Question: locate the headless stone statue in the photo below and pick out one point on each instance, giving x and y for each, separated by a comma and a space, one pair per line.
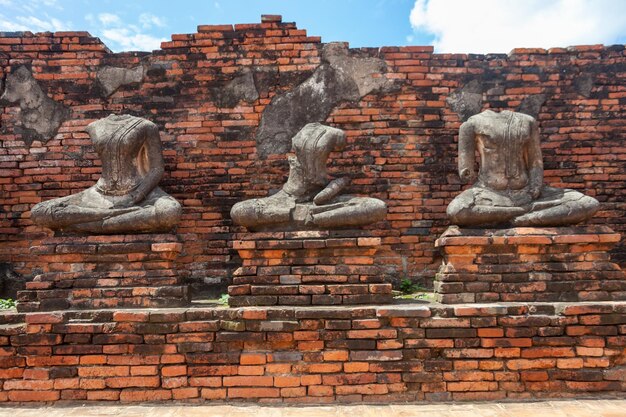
126, 198
509, 188
308, 200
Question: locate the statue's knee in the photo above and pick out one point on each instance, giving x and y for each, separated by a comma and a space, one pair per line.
41, 214
244, 213
168, 211
590, 204
457, 211
377, 209
371, 210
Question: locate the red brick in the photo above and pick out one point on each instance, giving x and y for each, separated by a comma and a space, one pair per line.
286, 381
319, 391
252, 359
248, 381
213, 393
185, 393
133, 381
108, 395
174, 370
253, 392
134, 395
28, 396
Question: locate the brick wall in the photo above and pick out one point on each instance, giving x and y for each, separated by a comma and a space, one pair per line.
296, 354
401, 144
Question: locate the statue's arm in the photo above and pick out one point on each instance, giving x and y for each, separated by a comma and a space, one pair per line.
155, 164
467, 152
535, 161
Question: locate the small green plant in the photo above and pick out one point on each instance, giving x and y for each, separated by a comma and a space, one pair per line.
6, 303
223, 300
413, 291
407, 286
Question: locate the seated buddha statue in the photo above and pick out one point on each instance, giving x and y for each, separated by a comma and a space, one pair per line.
309, 200
509, 188
126, 198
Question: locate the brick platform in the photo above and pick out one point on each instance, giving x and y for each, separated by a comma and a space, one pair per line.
308, 268
379, 354
529, 264
105, 272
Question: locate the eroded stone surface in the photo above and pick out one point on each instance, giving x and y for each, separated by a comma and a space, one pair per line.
240, 88
309, 200
509, 186
126, 198
39, 114
467, 100
583, 84
531, 105
342, 76
112, 78
10, 281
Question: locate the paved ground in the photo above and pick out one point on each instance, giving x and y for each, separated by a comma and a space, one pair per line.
578, 408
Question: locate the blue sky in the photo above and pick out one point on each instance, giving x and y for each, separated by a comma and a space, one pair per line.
450, 25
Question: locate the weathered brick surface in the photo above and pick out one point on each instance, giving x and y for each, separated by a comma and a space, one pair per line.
308, 268
322, 354
401, 144
112, 271
528, 264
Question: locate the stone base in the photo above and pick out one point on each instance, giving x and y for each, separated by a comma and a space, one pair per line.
97, 272
528, 264
308, 268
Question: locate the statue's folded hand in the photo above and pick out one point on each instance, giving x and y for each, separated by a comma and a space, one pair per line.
334, 188
126, 201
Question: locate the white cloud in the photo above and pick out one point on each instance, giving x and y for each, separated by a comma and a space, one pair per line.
30, 6
482, 26
148, 20
33, 24
120, 35
109, 19
7, 25
128, 40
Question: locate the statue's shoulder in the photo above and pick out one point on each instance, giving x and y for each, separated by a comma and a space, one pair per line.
527, 118
473, 121
147, 125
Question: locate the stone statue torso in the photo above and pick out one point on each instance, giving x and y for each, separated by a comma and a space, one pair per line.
510, 189
309, 199
119, 141
502, 139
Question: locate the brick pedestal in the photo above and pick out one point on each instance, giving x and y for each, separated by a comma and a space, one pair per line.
105, 272
308, 268
529, 264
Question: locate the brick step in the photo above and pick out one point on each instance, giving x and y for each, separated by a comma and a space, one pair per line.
81, 281
354, 289
534, 276
103, 303
86, 293
114, 297
307, 279
304, 300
